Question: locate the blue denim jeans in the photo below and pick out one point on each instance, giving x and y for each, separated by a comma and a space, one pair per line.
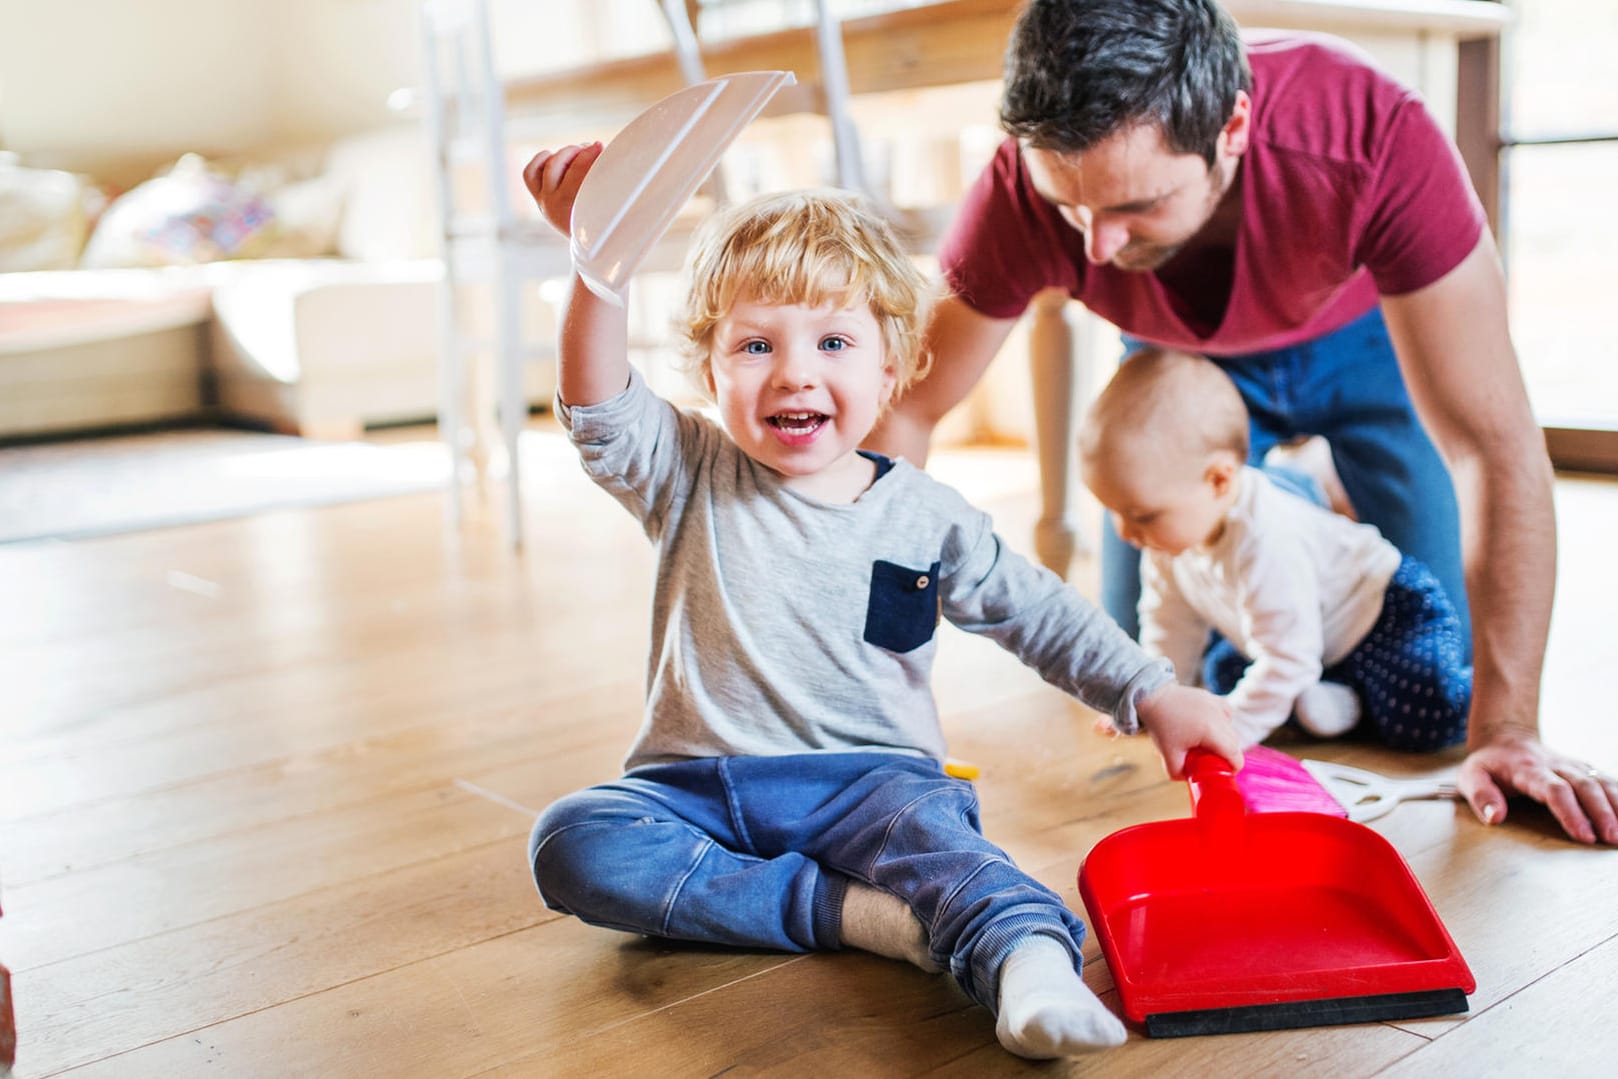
1345, 387
757, 852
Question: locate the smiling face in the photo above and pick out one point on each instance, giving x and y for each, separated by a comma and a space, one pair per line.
1136, 201
800, 387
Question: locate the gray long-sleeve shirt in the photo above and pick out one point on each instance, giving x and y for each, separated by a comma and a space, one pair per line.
782, 624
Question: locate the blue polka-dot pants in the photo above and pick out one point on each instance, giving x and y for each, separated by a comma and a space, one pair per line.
1410, 671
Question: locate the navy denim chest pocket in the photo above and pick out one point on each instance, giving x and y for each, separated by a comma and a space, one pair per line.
903, 609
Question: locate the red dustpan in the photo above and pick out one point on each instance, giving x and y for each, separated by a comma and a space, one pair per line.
1229, 921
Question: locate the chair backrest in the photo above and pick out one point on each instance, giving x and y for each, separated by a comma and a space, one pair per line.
689, 56
833, 97
465, 109
825, 92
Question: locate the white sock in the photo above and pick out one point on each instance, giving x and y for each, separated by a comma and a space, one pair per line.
1327, 709
1046, 1010
875, 921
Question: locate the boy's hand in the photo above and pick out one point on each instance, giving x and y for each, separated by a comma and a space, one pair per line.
553, 178
1181, 718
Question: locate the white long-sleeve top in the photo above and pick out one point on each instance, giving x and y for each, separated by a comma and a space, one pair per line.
1293, 586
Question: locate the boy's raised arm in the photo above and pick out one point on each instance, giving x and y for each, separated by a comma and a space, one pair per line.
593, 354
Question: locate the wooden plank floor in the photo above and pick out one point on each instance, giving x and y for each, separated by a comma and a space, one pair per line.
265, 787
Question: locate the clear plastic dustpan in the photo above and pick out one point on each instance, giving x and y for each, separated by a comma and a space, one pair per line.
649, 170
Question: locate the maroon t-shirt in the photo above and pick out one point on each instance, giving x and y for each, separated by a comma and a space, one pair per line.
1348, 187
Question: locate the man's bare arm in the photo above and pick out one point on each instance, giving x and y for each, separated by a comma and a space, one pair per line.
1455, 351
961, 343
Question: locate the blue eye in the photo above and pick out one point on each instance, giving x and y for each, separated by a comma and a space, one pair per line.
756, 348
833, 344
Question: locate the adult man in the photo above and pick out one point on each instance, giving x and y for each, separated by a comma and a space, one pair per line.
1284, 208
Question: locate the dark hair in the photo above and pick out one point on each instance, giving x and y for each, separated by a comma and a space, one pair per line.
1077, 71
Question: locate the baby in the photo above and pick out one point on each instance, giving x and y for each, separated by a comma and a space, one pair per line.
1320, 617
785, 789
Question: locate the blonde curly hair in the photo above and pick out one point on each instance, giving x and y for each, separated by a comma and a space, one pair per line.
811, 248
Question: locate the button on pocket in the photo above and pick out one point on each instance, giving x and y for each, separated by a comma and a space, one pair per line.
902, 611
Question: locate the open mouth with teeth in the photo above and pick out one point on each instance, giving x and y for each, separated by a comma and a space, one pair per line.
798, 425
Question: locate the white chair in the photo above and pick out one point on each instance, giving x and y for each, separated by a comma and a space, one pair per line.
487, 242
466, 123
484, 242
826, 93
829, 98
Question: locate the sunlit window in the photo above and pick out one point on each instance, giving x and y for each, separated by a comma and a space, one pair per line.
1560, 219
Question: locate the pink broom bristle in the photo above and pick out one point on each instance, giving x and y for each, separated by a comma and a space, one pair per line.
1272, 782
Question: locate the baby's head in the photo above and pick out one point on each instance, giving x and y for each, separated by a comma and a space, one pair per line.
803, 319
1161, 448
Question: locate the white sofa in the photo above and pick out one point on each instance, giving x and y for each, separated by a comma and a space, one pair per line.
325, 348
320, 346
95, 349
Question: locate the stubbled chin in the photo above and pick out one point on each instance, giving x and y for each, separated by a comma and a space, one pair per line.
1144, 261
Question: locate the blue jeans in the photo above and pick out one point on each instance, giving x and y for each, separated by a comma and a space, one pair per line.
757, 852
1346, 387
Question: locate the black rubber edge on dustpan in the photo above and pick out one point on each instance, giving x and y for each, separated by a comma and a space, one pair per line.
1306, 1013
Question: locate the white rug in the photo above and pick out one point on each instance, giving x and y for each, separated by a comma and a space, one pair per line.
105, 486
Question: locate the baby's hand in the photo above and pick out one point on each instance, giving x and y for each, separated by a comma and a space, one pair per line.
553, 178
1181, 718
